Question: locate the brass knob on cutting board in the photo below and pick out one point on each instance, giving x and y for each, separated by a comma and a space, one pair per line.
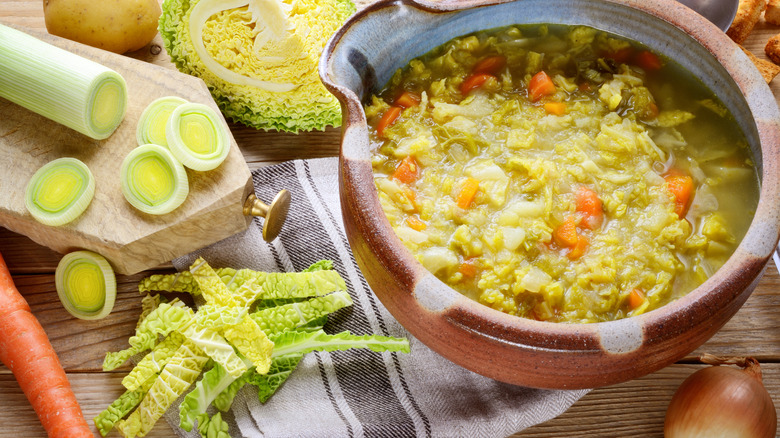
274, 214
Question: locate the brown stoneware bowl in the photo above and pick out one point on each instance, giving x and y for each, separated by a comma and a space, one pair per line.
361, 58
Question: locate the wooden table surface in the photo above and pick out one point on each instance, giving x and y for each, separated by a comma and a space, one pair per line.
634, 408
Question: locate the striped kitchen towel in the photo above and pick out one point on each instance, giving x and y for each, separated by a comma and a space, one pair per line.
360, 393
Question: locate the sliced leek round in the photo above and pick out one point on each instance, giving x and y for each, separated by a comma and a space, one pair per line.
86, 285
59, 191
153, 181
151, 125
197, 137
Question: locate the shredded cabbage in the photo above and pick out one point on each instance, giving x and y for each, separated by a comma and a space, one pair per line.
227, 344
161, 321
176, 377
122, 406
213, 382
153, 362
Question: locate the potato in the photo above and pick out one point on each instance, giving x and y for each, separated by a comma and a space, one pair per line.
115, 25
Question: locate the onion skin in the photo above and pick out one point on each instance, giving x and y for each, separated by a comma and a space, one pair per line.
722, 401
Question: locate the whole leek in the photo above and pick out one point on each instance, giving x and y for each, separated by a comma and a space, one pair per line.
74, 91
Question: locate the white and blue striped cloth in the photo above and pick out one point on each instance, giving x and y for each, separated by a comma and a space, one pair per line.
359, 393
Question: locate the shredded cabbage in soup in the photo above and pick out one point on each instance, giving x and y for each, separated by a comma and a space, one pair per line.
560, 173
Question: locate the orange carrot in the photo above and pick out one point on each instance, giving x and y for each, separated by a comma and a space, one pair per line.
566, 233
589, 206
475, 81
540, 85
579, 248
654, 111
415, 223
681, 187
26, 351
555, 108
467, 192
648, 61
410, 195
491, 65
407, 171
621, 55
635, 299
388, 118
468, 268
407, 100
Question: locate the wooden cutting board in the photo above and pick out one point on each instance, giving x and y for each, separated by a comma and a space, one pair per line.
132, 241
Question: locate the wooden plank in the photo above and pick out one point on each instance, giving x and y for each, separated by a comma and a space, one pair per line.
261, 148
755, 329
82, 345
131, 240
95, 393
632, 409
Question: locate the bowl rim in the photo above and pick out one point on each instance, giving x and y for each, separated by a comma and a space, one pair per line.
694, 309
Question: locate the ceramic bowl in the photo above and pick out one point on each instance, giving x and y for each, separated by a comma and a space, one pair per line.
361, 58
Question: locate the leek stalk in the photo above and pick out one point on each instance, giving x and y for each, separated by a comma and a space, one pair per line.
86, 285
74, 91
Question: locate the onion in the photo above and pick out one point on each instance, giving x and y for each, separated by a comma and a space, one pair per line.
722, 401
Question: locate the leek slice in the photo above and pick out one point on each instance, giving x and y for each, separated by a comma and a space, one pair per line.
153, 181
151, 125
74, 91
197, 137
86, 285
59, 191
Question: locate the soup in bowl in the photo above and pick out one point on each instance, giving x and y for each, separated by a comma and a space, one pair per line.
560, 173
557, 194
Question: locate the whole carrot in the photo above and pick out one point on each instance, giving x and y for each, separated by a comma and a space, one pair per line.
26, 351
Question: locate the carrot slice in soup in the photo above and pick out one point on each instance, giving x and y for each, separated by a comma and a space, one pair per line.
407, 100
566, 233
635, 299
681, 188
467, 192
388, 118
407, 171
491, 64
468, 268
621, 55
415, 223
579, 248
589, 206
540, 85
648, 61
475, 81
555, 108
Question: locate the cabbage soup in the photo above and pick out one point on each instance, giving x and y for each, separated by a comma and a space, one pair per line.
560, 173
